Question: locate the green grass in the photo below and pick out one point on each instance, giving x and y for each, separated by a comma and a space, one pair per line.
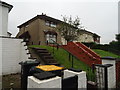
62, 57
103, 53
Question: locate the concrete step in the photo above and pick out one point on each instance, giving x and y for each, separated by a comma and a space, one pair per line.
45, 54
50, 61
48, 57
32, 58
42, 51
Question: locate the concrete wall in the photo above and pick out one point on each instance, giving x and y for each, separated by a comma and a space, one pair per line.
0, 64
3, 20
0, 20
48, 83
82, 80
56, 81
111, 73
13, 51
119, 17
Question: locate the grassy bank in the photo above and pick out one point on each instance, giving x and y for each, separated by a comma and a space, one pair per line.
103, 53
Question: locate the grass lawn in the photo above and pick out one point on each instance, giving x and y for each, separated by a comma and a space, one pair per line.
103, 53
62, 57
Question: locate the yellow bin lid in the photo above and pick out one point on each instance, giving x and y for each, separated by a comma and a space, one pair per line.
49, 67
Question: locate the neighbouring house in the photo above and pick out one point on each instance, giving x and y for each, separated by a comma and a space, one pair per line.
87, 36
4, 10
42, 28
12, 50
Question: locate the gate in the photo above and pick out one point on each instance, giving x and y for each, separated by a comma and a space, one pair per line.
70, 83
102, 75
99, 79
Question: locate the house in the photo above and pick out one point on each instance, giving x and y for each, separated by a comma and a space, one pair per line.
42, 28
4, 10
87, 36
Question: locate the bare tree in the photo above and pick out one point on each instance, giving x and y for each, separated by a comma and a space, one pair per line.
69, 28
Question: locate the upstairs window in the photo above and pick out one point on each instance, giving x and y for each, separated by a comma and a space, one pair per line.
53, 24
47, 23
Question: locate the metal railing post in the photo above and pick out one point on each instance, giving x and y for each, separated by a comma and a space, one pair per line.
72, 61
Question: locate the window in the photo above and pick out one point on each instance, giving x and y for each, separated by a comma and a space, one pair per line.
50, 38
47, 23
53, 24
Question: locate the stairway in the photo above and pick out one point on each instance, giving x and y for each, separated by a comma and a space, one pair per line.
82, 52
26, 52
45, 56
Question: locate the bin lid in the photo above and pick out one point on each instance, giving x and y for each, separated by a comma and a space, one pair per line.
75, 70
44, 75
29, 62
49, 67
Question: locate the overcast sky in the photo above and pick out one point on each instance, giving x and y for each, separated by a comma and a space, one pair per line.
97, 16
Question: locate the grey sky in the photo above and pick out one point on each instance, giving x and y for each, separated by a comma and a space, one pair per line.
97, 17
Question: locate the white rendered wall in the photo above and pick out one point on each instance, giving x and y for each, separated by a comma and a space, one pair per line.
48, 83
64, 42
0, 48
111, 73
13, 52
0, 20
85, 38
82, 80
0, 64
3, 20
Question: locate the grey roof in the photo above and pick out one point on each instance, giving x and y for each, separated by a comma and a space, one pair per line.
84, 30
6, 5
45, 17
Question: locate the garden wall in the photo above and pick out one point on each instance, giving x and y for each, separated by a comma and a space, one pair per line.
12, 52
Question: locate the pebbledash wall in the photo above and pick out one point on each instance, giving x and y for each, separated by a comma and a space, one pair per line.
13, 51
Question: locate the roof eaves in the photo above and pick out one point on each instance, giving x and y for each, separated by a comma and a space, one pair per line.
6, 5
25, 23
90, 32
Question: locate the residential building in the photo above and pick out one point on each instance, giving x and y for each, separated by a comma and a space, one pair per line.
4, 10
87, 36
41, 30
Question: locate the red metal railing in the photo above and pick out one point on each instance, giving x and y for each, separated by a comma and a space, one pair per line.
88, 50
82, 53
